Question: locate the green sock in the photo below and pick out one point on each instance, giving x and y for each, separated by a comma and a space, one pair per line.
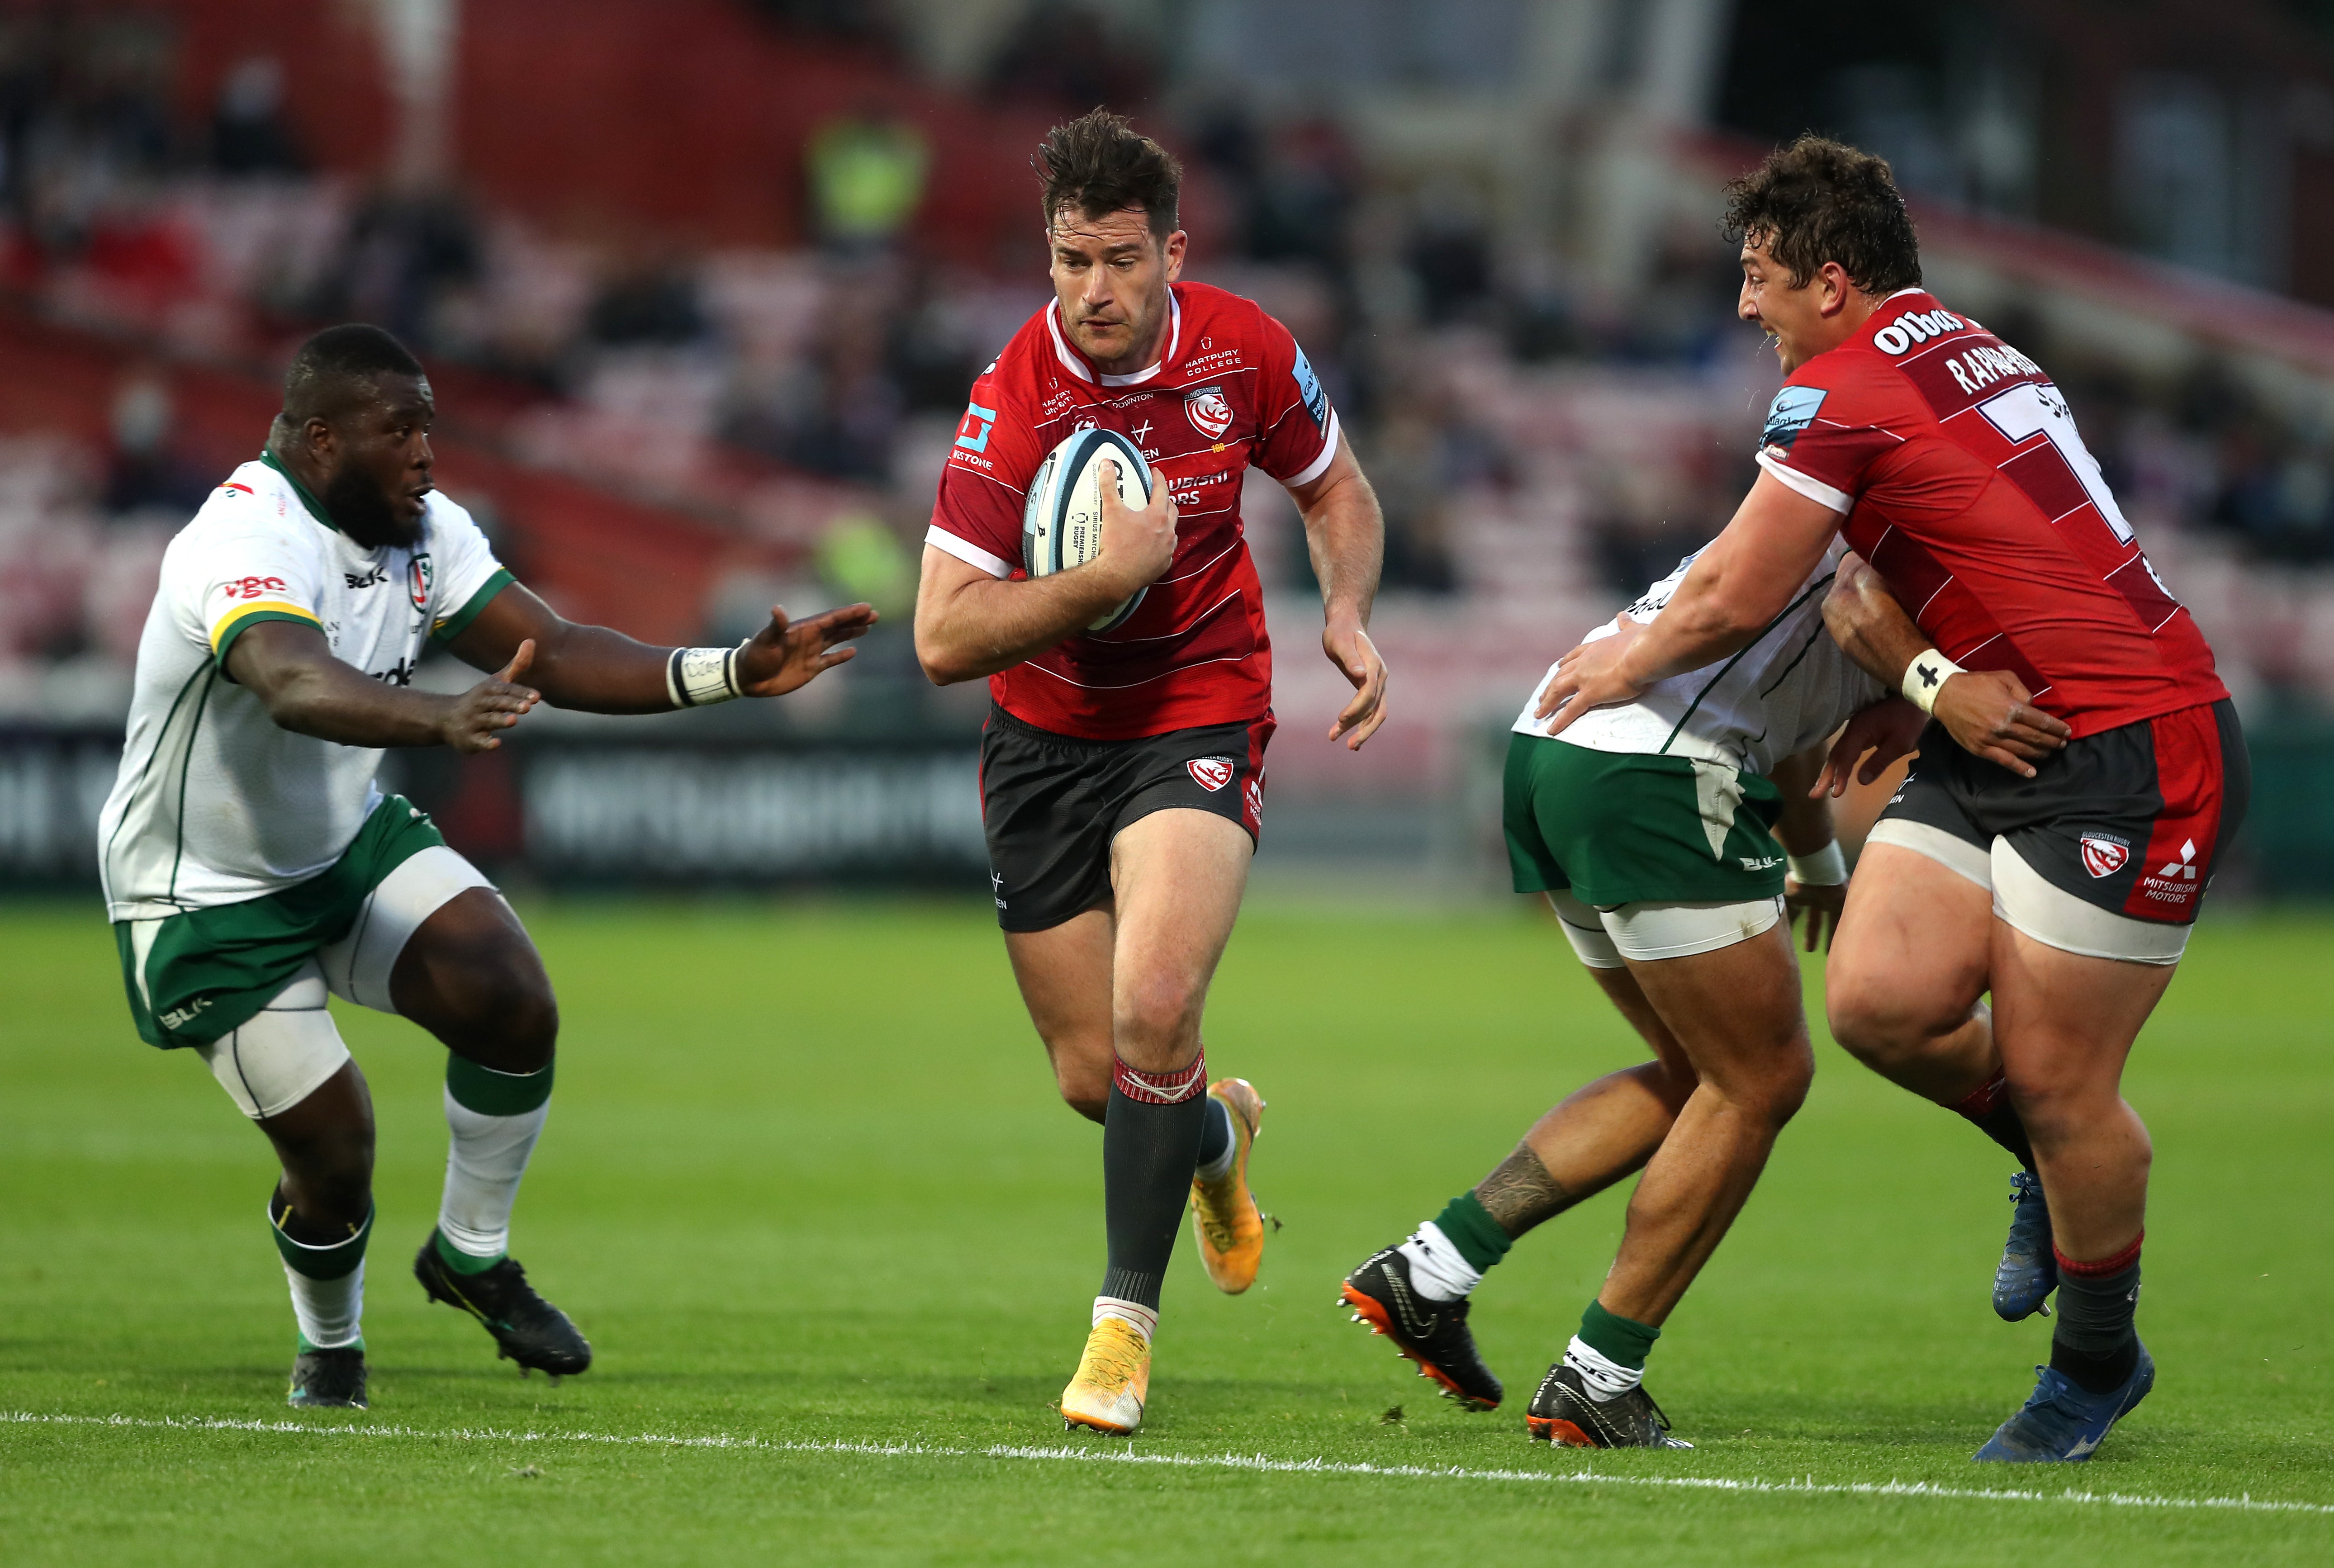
461, 1262
1623, 1342
1473, 1231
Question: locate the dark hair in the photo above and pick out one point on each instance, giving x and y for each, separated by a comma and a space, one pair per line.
1817, 201
336, 371
1100, 164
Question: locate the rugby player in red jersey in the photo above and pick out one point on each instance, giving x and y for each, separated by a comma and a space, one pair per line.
2083, 770
1122, 772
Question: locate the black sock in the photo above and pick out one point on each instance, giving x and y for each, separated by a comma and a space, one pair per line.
2096, 1343
1988, 1109
1149, 1146
1215, 1131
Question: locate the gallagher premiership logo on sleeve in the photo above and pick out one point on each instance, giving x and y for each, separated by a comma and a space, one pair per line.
1792, 412
1308, 390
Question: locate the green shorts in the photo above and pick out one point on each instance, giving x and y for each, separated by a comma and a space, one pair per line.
1627, 827
194, 976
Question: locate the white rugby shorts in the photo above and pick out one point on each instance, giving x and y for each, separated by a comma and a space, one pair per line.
287, 1050
1606, 939
2026, 901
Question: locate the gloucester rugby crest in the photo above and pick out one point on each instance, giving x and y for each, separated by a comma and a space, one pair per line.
2104, 856
1210, 412
1211, 772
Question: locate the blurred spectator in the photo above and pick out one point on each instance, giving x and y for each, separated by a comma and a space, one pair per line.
405, 252
866, 173
144, 469
1301, 201
1063, 53
248, 135
859, 559
651, 301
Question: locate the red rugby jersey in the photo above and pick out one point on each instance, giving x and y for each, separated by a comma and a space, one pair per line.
1964, 484
1232, 388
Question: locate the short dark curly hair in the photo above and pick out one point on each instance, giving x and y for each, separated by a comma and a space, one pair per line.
1817, 201
1099, 164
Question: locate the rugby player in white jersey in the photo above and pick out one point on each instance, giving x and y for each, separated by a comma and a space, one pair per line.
252, 867
1651, 828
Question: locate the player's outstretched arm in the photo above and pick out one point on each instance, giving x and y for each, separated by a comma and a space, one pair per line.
969, 624
1345, 534
1987, 712
1741, 581
291, 668
595, 669
1818, 883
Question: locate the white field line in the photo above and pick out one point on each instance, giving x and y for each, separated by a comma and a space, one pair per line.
1807, 1486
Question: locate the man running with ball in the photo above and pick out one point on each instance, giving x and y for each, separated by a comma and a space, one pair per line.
1123, 771
251, 866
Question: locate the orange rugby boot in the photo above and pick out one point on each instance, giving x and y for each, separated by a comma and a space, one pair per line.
1112, 1379
1224, 1214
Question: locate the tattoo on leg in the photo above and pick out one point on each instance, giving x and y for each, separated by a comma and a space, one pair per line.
1520, 1193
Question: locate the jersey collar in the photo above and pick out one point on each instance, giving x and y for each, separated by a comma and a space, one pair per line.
315, 507
1079, 366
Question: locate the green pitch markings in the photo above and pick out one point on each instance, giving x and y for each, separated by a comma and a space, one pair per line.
1129, 1455
807, 1188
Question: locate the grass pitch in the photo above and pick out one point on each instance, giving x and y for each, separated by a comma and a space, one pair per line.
807, 1188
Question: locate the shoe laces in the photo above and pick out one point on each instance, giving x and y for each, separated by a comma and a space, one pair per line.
1112, 1360
2024, 1185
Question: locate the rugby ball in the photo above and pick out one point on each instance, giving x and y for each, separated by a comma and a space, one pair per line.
1061, 522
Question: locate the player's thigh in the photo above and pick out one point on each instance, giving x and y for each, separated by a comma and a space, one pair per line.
1912, 952
1583, 931
1735, 1011
2065, 1021
470, 975
1177, 876
1064, 973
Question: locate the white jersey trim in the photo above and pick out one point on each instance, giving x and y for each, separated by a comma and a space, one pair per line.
1076, 365
1815, 490
971, 554
1320, 465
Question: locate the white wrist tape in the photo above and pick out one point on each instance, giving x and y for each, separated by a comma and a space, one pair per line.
696, 676
1926, 674
1826, 867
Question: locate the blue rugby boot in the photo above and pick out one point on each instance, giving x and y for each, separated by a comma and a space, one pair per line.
2062, 1422
2029, 1270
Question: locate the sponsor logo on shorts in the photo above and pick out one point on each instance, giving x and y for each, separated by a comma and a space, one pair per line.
2104, 854
1256, 803
2177, 881
179, 1017
1211, 772
1209, 410
1760, 862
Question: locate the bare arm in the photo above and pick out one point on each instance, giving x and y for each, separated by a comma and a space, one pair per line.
1989, 713
1735, 587
1345, 534
292, 669
969, 624
595, 669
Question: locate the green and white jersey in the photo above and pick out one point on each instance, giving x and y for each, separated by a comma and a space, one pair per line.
215, 804
1788, 690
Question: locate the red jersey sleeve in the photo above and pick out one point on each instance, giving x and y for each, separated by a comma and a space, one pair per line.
978, 515
1296, 429
1825, 431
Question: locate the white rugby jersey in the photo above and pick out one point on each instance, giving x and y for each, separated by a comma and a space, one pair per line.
1788, 690
215, 804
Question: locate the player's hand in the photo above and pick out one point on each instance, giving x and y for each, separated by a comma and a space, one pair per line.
1820, 902
475, 722
1590, 676
1349, 648
1991, 714
787, 654
1888, 729
1138, 543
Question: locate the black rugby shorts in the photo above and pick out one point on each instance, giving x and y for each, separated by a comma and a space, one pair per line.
1052, 803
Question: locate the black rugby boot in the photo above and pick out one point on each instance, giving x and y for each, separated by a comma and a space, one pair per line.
1563, 1412
332, 1379
1433, 1333
526, 1328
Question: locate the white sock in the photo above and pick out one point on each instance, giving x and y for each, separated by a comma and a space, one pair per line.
1605, 1379
1142, 1317
483, 1163
1221, 1165
1437, 1271
330, 1312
